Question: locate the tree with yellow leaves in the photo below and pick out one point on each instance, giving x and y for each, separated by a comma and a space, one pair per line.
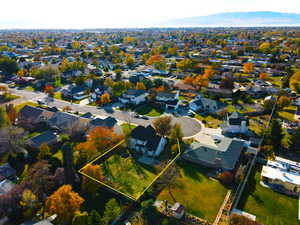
22, 73
129, 60
30, 203
295, 82
140, 86
94, 171
64, 203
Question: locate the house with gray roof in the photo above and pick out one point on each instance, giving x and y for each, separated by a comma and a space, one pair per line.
202, 104
134, 97
223, 154
48, 138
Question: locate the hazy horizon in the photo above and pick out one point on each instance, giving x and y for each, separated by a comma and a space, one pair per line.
91, 14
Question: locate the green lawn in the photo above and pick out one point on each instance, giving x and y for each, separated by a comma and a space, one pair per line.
200, 195
57, 95
275, 81
127, 175
29, 88
269, 207
127, 128
288, 113
209, 121
10, 97
149, 110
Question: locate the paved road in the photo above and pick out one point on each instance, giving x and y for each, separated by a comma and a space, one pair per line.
189, 125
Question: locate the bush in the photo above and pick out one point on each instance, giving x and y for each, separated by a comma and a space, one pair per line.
226, 177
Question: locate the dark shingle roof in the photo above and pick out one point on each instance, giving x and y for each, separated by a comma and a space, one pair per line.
29, 111
135, 92
43, 138
107, 122
146, 134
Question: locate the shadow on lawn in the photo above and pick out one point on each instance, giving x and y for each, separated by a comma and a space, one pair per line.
250, 189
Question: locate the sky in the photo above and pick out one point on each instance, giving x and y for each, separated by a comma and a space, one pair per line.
123, 13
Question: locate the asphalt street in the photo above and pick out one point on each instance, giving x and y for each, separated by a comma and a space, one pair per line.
190, 126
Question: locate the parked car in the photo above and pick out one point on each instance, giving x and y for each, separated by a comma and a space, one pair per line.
144, 117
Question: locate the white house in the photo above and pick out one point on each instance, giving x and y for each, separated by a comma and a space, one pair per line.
169, 100
177, 210
206, 105
134, 97
146, 141
282, 175
235, 124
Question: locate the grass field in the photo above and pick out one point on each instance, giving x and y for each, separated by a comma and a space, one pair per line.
209, 121
127, 128
149, 110
288, 113
270, 208
200, 195
57, 95
127, 175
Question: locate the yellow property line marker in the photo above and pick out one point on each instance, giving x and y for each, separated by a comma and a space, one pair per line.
118, 191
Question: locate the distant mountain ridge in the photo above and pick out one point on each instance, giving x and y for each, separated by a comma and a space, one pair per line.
259, 18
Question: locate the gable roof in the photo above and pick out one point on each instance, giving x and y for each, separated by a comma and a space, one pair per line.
30, 111
6, 171
107, 122
62, 119
166, 95
43, 138
135, 92
147, 134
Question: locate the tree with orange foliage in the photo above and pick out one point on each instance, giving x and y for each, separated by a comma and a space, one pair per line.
99, 140
263, 76
188, 80
11, 113
200, 81
208, 72
22, 72
160, 89
64, 203
157, 61
94, 171
105, 98
49, 89
140, 86
248, 67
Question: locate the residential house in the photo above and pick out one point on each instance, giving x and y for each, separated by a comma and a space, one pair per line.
48, 138
74, 92
169, 100
29, 115
202, 104
7, 172
134, 97
5, 186
223, 154
68, 123
146, 141
282, 175
235, 124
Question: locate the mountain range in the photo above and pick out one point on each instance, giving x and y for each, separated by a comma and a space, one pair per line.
259, 18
